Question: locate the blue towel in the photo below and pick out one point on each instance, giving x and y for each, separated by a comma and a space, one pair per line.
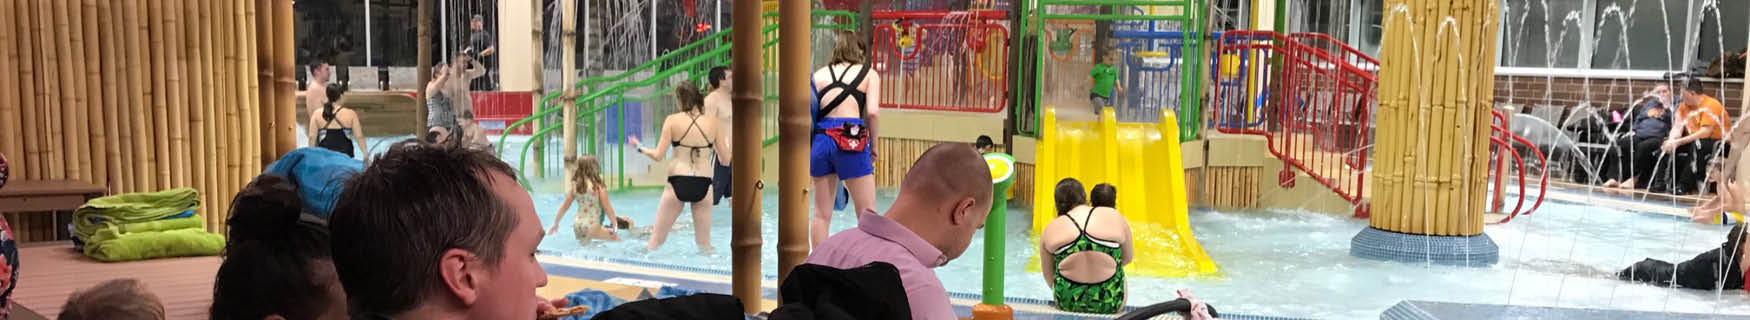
320, 175
672, 291
596, 300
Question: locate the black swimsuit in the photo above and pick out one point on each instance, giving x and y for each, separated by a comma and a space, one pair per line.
691, 188
337, 139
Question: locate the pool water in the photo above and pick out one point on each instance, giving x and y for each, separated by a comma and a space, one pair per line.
1284, 263
1278, 263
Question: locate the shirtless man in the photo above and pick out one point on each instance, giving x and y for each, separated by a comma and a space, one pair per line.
718, 104
316, 90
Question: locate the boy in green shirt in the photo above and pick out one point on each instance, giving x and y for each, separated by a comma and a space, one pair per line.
1105, 82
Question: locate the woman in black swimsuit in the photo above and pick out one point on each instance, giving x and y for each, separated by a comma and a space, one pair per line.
334, 126
693, 136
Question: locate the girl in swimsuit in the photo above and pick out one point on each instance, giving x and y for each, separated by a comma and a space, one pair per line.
1084, 252
591, 196
336, 127
848, 93
693, 136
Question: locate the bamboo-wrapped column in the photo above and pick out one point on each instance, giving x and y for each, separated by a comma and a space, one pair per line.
423, 61
793, 137
72, 88
11, 130
28, 99
285, 114
1432, 180
177, 91
745, 236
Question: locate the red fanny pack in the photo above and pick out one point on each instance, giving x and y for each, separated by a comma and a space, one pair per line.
849, 137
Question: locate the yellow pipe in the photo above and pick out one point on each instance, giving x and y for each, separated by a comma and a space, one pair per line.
745, 205
793, 134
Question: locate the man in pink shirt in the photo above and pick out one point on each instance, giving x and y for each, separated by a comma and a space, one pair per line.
943, 201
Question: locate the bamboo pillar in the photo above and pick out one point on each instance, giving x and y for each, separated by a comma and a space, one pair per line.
745, 236
11, 132
110, 50
97, 146
79, 131
55, 144
567, 63
27, 90
263, 44
199, 168
1432, 180
538, 33
285, 114
794, 134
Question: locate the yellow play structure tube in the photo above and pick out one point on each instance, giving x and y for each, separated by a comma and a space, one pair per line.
1143, 161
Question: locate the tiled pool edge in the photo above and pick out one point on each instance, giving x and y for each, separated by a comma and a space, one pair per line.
598, 269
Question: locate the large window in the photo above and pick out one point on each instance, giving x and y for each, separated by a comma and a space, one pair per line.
1624, 37
1639, 34
1542, 34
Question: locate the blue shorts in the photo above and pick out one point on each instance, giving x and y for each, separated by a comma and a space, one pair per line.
824, 157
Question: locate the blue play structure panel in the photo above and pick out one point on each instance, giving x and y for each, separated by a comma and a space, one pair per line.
1430, 310
634, 124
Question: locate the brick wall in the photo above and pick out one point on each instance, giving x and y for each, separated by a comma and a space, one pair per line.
1600, 92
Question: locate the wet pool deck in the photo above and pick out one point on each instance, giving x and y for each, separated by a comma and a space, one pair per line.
1429, 310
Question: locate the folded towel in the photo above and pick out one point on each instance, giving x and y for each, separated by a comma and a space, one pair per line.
132, 207
320, 175
191, 222
596, 300
110, 246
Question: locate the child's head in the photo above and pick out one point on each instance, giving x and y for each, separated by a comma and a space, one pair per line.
117, 299
588, 175
984, 144
1069, 194
1104, 195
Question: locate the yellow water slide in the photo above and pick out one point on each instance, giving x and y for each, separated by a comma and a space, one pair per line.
1143, 161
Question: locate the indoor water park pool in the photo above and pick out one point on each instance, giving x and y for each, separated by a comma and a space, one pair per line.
1281, 263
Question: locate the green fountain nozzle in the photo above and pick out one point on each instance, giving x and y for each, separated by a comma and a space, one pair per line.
1002, 172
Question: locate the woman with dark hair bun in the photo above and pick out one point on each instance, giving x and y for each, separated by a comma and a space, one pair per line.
277, 264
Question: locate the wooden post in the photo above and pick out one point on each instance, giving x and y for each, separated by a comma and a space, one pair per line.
200, 167
79, 112
794, 41
262, 20
538, 33
745, 236
285, 113
424, 64
567, 63
177, 92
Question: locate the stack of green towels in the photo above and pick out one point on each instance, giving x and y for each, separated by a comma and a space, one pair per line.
148, 225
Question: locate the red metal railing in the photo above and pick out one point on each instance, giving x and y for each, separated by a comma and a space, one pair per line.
1313, 108
942, 60
1502, 139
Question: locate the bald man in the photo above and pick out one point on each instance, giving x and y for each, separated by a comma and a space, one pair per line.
943, 201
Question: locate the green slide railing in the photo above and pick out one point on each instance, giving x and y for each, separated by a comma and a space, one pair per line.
602, 102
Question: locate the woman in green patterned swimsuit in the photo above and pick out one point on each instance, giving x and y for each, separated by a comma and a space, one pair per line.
1085, 249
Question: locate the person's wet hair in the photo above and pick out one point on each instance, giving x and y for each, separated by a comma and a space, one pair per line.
688, 97
717, 75
116, 299
400, 214
849, 48
1069, 194
275, 263
983, 142
1104, 195
1693, 85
